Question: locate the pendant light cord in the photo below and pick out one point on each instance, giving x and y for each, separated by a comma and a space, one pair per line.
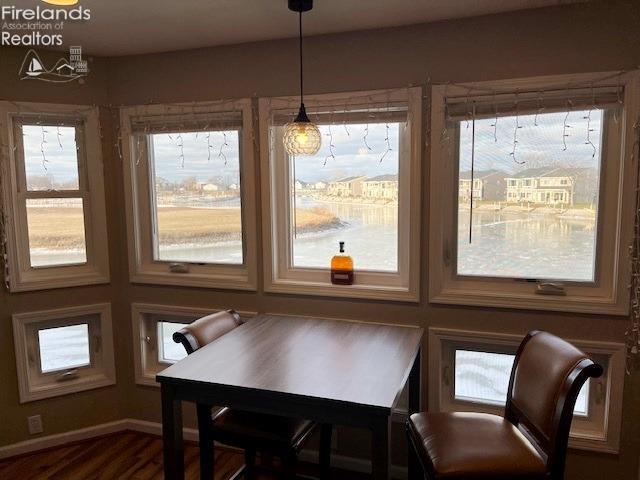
300, 51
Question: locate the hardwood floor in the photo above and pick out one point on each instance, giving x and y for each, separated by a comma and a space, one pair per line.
127, 455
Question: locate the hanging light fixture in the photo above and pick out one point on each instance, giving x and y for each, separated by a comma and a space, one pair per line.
301, 137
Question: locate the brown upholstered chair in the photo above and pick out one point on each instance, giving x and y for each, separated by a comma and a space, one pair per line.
250, 431
529, 443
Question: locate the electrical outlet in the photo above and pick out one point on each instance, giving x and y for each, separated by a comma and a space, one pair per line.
35, 424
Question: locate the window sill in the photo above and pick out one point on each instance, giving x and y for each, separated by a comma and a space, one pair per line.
531, 301
326, 289
98, 380
227, 282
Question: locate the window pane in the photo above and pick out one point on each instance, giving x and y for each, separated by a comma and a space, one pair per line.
483, 377
535, 212
196, 189
50, 157
169, 351
56, 231
352, 197
64, 347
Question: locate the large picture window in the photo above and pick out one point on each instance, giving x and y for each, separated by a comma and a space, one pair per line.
536, 215
191, 177
54, 197
361, 188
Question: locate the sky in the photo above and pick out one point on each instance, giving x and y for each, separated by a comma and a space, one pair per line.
537, 146
59, 159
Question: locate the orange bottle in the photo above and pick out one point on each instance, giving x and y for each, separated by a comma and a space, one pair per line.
342, 268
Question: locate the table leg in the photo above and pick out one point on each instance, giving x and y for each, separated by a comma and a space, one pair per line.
205, 440
380, 430
414, 467
415, 385
173, 448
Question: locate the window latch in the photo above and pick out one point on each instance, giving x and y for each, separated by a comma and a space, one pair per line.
67, 375
550, 288
178, 268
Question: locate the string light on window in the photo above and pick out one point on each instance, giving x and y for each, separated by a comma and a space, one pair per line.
331, 154
515, 135
59, 137
44, 156
388, 142
224, 144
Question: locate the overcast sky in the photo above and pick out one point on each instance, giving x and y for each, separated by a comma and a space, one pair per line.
539, 145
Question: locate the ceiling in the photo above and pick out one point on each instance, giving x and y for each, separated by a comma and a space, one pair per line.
125, 27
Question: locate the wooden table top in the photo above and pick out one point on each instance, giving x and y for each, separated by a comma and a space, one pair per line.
360, 363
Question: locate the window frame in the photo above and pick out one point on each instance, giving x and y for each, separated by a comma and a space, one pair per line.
279, 274
22, 276
599, 432
609, 293
35, 385
143, 268
146, 340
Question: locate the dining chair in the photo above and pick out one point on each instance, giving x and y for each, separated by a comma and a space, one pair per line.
253, 432
529, 442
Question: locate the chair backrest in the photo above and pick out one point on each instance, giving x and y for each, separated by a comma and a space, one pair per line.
206, 329
546, 379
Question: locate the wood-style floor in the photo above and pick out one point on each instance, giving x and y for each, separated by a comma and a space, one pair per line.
128, 455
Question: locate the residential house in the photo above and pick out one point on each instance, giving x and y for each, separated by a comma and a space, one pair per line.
347, 187
487, 185
553, 185
319, 186
382, 186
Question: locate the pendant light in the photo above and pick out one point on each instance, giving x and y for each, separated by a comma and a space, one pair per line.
301, 137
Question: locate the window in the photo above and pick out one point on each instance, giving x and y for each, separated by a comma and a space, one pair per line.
153, 328
192, 215
469, 371
361, 188
546, 229
482, 377
63, 351
54, 197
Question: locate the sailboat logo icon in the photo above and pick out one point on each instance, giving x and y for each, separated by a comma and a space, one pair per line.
64, 70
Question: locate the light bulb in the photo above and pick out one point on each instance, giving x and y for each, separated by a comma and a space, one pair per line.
302, 138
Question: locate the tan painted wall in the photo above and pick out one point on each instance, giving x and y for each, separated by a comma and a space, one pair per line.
602, 36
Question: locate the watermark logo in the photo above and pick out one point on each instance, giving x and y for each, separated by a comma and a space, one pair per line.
43, 26
64, 70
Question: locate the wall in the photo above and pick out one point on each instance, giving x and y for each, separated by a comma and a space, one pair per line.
599, 36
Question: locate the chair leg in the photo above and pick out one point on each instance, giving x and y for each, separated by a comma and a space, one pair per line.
326, 429
250, 463
289, 465
206, 442
414, 467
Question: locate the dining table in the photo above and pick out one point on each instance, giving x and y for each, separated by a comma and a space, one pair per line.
340, 372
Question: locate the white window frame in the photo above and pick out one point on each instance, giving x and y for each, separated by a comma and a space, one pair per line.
142, 266
609, 293
146, 340
34, 385
279, 274
22, 276
600, 432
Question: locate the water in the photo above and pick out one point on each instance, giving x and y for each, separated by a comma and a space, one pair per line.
526, 245
370, 234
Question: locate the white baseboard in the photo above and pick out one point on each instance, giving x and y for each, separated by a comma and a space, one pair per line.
154, 428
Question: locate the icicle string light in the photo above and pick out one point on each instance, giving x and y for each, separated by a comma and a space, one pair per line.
224, 144
331, 154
